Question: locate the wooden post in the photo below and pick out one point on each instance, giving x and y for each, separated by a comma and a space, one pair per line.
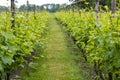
73, 10
12, 13
113, 6
97, 9
7, 10
78, 8
34, 11
110, 75
27, 13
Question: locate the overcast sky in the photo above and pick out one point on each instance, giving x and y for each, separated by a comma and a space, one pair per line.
37, 2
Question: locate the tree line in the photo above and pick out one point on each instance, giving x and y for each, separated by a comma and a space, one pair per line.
31, 7
91, 3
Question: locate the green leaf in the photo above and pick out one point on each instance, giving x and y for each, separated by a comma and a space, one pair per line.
12, 19
22, 66
116, 63
8, 35
14, 47
32, 65
4, 47
1, 67
2, 39
7, 60
86, 3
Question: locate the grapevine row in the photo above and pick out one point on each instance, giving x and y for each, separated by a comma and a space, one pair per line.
98, 41
20, 41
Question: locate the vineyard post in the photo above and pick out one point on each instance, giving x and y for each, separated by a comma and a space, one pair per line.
34, 11
110, 75
69, 9
7, 8
96, 64
113, 6
12, 13
97, 9
113, 9
27, 13
79, 9
66, 8
73, 10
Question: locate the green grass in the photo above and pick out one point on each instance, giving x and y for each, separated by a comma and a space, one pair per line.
57, 63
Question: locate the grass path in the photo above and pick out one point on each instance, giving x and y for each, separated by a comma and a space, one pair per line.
58, 63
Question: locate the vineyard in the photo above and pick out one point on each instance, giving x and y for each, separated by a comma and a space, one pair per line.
73, 43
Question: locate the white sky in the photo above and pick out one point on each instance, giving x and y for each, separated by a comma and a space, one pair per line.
37, 2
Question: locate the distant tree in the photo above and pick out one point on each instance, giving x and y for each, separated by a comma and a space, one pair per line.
22, 8
51, 7
48, 7
3, 8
